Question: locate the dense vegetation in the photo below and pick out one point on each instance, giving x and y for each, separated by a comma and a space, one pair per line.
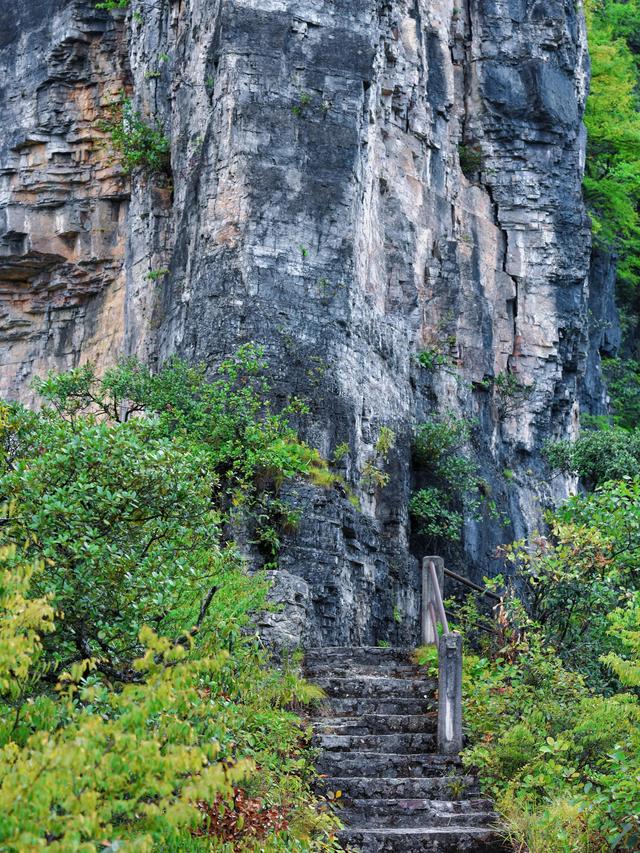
138, 710
552, 707
612, 180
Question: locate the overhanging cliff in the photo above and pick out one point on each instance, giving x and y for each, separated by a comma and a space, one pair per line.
353, 181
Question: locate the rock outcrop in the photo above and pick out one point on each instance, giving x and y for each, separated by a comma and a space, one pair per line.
353, 181
63, 203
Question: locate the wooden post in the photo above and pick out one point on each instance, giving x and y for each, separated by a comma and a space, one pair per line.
429, 627
450, 694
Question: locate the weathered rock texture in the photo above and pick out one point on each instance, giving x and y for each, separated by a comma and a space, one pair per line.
63, 222
319, 206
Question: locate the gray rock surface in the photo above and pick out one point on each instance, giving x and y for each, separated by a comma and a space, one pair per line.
605, 333
319, 206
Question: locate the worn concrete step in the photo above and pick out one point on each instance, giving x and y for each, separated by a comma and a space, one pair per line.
390, 669
418, 813
386, 764
376, 687
355, 655
399, 743
358, 707
452, 839
371, 724
446, 787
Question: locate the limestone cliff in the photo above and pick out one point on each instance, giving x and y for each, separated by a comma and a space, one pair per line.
353, 181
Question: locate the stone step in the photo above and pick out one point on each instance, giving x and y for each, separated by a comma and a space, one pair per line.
417, 813
371, 724
452, 839
406, 743
376, 735
390, 669
355, 655
452, 787
358, 707
386, 764
378, 687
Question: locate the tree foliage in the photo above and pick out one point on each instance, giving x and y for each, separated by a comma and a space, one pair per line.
612, 179
561, 762
597, 456
135, 701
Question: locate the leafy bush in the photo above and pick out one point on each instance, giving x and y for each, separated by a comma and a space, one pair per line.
597, 456
454, 483
587, 567
553, 755
130, 767
120, 586
562, 761
132, 487
430, 507
138, 144
623, 385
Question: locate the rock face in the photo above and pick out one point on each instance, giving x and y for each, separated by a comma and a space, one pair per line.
353, 181
63, 211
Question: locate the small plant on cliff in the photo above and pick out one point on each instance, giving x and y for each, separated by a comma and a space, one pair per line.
511, 393
453, 483
110, 5
340, 453
439, 348
372, 474
470, 157
432, 358
138, 144
154, 275
304, 101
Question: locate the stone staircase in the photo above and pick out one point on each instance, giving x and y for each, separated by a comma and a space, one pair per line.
376, 732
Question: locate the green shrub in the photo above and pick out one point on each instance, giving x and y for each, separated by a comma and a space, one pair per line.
433, 358
454, 486
552, 755
597, 456
135, 700
131, 766
623, 385
431, 509
138, 144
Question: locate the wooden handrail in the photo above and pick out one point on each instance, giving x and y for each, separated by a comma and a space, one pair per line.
476, 587
437, 594
449, 646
